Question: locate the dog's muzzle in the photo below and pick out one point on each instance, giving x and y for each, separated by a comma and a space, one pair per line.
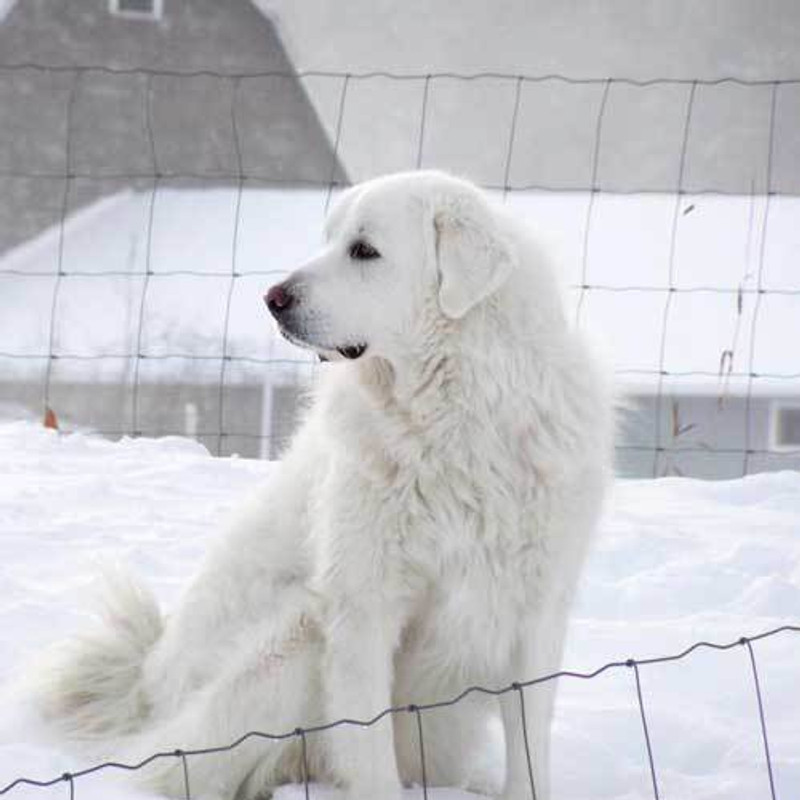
281, 300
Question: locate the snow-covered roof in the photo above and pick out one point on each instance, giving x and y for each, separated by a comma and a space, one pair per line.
189, 251
694, 304
692, 312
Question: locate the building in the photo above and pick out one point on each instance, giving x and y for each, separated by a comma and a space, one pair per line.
121, 117
696, 300
158, 325
665, 184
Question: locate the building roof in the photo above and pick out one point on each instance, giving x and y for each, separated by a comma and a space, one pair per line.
127, 110
230, 37
188, 250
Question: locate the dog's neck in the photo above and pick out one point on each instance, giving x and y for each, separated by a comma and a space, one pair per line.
454, 364
492, 376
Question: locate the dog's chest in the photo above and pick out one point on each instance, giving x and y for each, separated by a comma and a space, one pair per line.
477, 601
482, 550
481, 532
469, 513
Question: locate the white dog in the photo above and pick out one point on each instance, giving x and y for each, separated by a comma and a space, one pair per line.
424, 532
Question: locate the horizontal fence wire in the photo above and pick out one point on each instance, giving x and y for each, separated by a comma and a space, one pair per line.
668, 438
222, 178
393, 75
635, 665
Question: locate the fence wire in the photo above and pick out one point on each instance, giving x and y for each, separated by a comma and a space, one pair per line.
738, 436
418, 710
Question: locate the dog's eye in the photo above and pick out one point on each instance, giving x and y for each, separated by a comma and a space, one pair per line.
363, 251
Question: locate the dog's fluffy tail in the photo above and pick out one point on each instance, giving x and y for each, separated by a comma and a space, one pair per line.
90, 687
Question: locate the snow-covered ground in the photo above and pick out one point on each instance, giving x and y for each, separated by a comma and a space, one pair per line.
676, 561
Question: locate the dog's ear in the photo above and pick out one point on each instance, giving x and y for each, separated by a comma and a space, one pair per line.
474, 259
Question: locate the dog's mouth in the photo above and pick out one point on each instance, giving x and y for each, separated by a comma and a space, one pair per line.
348, 352
352, 352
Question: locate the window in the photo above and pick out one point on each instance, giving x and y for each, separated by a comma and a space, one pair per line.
136, 9
785, 427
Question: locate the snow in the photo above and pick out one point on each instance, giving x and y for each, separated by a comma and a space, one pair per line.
676, 561
198, 238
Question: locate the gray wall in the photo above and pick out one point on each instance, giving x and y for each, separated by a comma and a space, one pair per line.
754, 39
155, 409
633, 136
71, 136
109, 131
701, 436
468, 126
227, 36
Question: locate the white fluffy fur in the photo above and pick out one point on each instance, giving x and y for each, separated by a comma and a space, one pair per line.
425, 530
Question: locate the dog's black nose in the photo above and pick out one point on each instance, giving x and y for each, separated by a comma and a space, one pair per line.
278, 299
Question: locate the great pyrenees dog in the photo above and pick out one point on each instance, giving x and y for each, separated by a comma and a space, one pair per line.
424, 532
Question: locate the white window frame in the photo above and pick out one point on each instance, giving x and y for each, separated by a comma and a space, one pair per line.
149, 16
774, 413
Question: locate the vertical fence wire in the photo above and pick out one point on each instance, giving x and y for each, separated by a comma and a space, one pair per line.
337, 140
761, 716
524, 722
729, 357
413, 709
422, 121
671, 289
187, 791
512, 133
225, 358
594, 188
760, 291
60, 272
138, 355
70, 781
645, 729
304, 758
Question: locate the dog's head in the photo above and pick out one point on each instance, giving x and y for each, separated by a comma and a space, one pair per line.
399, 250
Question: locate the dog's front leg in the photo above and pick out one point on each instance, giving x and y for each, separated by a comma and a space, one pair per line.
366, 591
528, 739
360, 642
527, 756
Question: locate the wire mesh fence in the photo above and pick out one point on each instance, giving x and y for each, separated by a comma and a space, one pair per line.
146, 211
649, 756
